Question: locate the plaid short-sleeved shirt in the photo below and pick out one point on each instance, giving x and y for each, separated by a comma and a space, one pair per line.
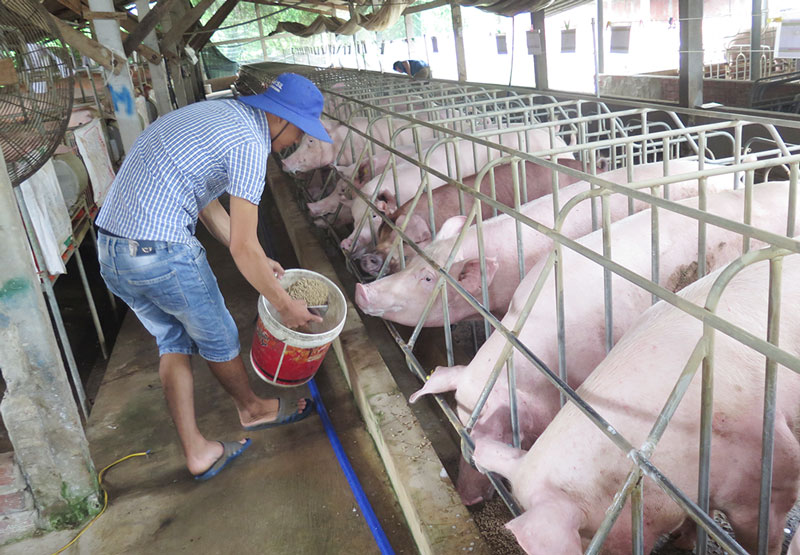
182, 162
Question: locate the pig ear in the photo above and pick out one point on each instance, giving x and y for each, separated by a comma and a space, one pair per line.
344, 170
451, 227
549, 526
386, 202
417, 229
470, 274
444, 378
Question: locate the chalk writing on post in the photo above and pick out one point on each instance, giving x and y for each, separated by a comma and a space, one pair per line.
122, 97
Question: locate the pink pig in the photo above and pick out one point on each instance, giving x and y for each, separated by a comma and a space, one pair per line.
313, 153
571, 474
359, 174
401, 297
448, 200
584, 313
471, 159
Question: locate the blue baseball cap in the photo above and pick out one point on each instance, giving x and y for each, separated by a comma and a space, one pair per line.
295, 99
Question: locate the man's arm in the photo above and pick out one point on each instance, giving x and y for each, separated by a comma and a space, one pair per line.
217, 221
257, 268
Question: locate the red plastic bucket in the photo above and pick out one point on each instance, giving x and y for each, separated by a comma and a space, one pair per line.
286, 357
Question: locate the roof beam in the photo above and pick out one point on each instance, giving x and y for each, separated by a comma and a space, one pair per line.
175, 32
147, 24
427, 6
204, 35
323, 9
73, 5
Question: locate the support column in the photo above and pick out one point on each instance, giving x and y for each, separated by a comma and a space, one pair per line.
175, 68
120, 85
458, 34
601, 30
158, 73
38, 408
755, 41
409, 23
691, 56
540, 60
261, 32
178, 13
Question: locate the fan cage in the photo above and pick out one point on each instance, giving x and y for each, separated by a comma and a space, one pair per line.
36, 87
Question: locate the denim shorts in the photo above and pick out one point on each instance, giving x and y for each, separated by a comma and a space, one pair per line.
174, 294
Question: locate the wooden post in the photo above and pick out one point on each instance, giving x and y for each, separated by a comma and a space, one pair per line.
202, 38
147, 25
261, 32
158, 72
119, 85
175, 33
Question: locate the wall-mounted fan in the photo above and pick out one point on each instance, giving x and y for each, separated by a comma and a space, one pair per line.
36, 87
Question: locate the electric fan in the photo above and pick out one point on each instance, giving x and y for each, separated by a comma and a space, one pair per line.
36, 87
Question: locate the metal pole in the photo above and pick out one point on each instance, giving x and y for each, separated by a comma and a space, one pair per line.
755, 41
691, 57
458, 34
540, 60
601, 54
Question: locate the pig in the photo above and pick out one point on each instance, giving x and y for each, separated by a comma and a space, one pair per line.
445, 200
584, 312
358, 173
401, 297
312, 153
571, 474
472, 158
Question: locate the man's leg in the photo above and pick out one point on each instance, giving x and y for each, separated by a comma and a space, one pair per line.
253, 410
175, 372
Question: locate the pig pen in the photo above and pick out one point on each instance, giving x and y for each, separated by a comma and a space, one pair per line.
745, 151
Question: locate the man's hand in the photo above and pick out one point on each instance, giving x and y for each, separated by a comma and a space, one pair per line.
296, 314
258, 269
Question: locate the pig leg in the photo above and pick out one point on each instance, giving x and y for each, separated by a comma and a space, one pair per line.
550, 526
443, 378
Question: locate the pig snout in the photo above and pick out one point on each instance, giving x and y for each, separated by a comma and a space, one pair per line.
472, 486
346, 243
289, 165
362, 297
371, 263
319, 208
375, 303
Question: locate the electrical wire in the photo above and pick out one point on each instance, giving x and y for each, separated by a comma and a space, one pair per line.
105, 498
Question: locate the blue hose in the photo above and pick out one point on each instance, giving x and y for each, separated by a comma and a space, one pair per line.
352, 479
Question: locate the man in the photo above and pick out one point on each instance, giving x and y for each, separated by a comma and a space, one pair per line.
150, 258
416, 69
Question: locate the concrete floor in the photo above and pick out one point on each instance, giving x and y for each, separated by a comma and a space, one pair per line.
286, 494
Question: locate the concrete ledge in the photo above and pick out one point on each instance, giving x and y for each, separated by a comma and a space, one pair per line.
435, 515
